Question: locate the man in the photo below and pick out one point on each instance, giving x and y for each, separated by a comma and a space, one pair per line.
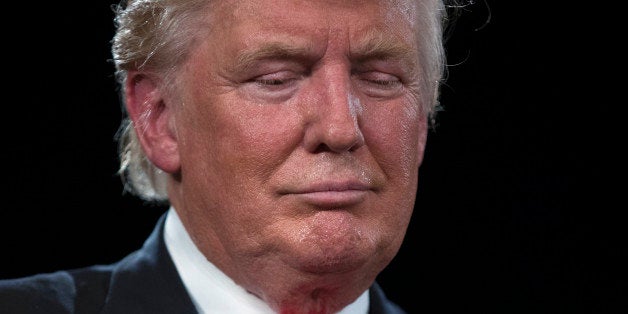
287, 137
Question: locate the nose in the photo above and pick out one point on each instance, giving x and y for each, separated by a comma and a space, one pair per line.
335, 115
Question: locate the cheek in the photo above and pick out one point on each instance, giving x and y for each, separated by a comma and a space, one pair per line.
396, 137
242, 143
232, 148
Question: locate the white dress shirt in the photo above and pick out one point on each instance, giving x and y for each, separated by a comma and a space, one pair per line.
210, 289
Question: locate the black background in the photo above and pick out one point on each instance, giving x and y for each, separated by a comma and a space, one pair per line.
518, 209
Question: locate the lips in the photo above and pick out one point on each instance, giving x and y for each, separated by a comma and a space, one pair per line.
330, 194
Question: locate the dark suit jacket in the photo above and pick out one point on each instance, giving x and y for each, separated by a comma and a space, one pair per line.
145, 281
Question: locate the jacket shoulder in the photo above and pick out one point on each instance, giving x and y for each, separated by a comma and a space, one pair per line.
380, 304
73, 291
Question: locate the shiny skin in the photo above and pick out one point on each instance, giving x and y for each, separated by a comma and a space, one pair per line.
293, 136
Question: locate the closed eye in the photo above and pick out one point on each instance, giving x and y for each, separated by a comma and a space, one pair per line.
272, 81
276, 81
384, 83
272, 87
378, 84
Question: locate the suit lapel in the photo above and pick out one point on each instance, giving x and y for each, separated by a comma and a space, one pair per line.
147, 281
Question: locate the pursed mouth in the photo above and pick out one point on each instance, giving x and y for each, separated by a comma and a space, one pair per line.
330, 194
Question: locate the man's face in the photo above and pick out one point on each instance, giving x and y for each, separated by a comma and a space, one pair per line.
300, 135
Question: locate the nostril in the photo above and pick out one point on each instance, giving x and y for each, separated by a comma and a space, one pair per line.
321, 148
334, 125
324, 148
334, 140
334, 132
343, 139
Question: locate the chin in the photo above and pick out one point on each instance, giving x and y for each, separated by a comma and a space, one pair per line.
333, 242
333, 262
340, 252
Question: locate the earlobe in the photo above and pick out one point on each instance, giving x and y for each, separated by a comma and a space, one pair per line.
153, 121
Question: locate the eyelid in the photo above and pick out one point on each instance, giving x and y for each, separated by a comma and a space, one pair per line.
272, 87
379, 77
379, 84
276, 80
269, 66
383, 66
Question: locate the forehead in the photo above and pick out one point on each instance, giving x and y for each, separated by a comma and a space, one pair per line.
332, 14
312, 21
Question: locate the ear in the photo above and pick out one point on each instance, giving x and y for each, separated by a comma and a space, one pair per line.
153, 121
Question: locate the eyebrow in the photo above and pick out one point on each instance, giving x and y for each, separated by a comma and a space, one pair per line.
272, 50
375, 45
